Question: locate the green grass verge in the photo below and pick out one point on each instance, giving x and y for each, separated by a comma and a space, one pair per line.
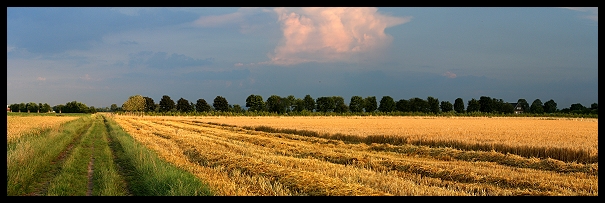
146, 173
29, 157
56, 163
90, 157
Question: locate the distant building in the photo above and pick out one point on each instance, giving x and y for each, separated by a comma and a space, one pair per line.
8, 108
518, 108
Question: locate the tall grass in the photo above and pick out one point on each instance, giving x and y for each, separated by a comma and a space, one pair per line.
148, 175
90, 164
32, 156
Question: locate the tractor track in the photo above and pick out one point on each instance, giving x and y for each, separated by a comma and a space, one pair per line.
56, 165
114, 146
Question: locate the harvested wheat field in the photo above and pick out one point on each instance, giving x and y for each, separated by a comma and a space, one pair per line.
16, 126
346, 156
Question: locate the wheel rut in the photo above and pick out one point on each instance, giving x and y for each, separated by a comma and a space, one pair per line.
56, 165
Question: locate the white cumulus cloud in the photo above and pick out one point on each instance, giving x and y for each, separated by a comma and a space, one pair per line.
330, 34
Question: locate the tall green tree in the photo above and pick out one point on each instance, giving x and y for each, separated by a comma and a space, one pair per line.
459, 105
134, 103
403, 105
166, 104
58, 108
325, 104
419, 105
45, 108
112, 108
221, 104
13, 107
255, 103
309, 103
22, 107
497, 105
446, 106
536, 106
183, 105
202, 106
356, 104
433, 104
339, 105
237, 108
75, 107
485, 104
276, 104
507, 108
473, 105
291, 103
300, 105
387, 104
577, 107
370, 104
32, 107
550, 106
594, 108
149, 104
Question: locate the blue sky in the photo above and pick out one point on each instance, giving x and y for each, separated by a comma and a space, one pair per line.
101, 56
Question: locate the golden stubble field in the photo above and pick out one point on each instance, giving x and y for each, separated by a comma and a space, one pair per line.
574, 133
238, 160
16, 126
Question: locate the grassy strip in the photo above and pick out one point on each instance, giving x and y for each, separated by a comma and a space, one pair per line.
148, 175
73, 178
92, 153
107, 181
30, 157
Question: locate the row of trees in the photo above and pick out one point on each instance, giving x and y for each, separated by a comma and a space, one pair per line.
166, 104
281, 105
69, 107
357, 104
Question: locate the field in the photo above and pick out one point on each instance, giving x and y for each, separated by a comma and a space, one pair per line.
16, 126
428, 156
117, 155
565, 139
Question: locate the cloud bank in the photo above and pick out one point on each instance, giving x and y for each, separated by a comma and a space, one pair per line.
330, 34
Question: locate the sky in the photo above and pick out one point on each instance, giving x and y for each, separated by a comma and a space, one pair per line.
103, 55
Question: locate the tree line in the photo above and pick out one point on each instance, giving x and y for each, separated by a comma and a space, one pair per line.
69, 107
327, 104
357, 104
